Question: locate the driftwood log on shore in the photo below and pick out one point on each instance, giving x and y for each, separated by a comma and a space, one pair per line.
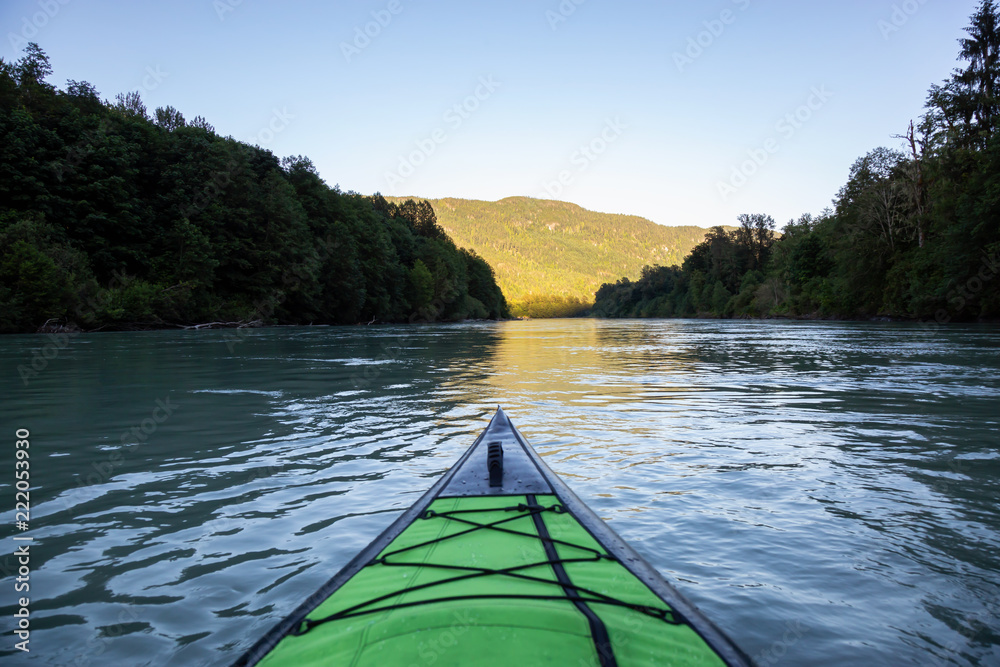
54, 326
252, 324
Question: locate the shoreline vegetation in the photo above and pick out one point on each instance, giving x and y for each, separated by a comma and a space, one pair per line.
115, 219
551, 256
112, 218
914, 235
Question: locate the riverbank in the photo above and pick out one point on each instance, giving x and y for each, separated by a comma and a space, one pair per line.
73, 329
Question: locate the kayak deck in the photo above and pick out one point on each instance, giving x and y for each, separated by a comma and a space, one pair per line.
515, 573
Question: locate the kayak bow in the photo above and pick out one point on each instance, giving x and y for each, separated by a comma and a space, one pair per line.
499, 563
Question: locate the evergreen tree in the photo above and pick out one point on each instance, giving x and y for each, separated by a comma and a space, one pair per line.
169, 118
982, 51
109, 219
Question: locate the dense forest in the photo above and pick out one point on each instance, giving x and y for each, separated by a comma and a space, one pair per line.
914, 233
114, 218
551, 256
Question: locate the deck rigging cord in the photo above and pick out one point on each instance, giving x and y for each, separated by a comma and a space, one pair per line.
528, 510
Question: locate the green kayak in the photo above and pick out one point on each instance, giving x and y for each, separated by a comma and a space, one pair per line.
499, 563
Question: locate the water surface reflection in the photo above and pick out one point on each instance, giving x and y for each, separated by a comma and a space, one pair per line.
841, 477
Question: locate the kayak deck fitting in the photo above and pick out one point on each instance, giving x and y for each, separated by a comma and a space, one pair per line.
499, 563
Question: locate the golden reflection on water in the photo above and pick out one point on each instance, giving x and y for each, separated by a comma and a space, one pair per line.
587, 363
591, 396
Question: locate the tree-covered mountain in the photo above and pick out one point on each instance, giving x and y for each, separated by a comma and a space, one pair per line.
550, 256
111, 218
914, 233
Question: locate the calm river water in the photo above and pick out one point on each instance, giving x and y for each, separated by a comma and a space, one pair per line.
826, 492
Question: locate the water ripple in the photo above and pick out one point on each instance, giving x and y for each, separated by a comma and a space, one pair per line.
830, 483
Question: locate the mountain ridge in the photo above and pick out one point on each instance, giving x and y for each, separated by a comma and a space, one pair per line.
550, 257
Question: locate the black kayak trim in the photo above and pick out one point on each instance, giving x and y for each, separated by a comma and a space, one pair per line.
525, 478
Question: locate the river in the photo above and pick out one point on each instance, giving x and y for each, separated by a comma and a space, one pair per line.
827, 493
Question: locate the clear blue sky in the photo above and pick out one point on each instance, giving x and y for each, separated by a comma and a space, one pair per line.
671, 132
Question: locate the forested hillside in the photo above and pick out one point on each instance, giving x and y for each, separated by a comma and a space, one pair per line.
114, 218
914, 234
550, 256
